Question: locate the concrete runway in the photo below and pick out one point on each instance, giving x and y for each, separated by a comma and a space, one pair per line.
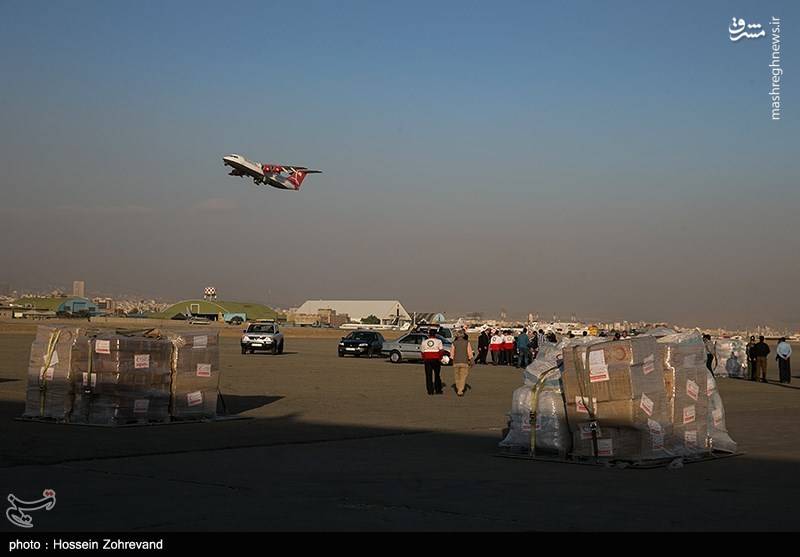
356, 444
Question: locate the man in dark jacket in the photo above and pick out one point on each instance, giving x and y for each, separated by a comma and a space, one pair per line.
751, 359
483, 347
760, 350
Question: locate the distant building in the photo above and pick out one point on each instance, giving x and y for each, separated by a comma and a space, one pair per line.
53, 306
217, 310
78, 289
429, 318
389, 312
105, 305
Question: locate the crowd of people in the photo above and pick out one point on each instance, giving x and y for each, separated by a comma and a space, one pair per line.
502, 348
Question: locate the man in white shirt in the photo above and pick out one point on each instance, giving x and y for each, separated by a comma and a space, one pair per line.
784, 352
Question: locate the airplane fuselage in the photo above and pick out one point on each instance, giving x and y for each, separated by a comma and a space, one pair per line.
278, 176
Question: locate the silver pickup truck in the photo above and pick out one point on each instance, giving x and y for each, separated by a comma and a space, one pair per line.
262, 335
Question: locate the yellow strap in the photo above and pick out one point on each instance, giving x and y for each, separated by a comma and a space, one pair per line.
48, 358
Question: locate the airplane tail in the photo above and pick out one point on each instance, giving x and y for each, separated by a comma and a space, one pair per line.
297, 177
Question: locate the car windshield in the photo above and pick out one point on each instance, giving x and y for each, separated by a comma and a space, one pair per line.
359, 336
261, 329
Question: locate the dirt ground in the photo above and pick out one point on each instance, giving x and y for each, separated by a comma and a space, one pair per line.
355, 444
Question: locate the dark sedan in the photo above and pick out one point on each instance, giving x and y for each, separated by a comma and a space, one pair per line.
358, 343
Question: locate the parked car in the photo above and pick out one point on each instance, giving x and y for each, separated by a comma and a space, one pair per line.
444, 332
358, 343
408, 348
198, 321
265, 336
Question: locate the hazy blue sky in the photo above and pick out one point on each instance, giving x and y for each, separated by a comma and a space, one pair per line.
612, 159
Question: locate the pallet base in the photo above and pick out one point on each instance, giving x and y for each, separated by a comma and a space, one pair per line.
136, 424
611, 463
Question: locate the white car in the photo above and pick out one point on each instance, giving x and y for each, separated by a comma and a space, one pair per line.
264, 336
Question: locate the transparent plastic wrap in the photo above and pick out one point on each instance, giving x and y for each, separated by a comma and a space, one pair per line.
698, 415
731, 358
49, 392
196, 375
122, 379
720, 438
552, 433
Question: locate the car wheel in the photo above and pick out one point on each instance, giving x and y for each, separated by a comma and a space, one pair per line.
244, 350
395, 357
341, 354
274, 349
280, 348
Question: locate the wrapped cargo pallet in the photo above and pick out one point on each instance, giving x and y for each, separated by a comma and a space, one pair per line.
618, 388
697, 412
196, 374
50, 374
551, 432
122, 379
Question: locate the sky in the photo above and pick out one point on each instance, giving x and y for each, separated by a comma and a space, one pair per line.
615, 160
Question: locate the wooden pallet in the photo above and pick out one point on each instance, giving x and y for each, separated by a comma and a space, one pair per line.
612, 463
136, 424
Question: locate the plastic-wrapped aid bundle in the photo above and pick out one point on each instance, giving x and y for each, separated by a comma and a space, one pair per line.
689, 387
122, 379
50, 375
552, 433
731, 358
619, 384
720, 438
196, 374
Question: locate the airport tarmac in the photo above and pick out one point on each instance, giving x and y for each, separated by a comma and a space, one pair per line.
356, 444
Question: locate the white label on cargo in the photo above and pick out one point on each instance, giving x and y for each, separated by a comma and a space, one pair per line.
597, 363
53, 359
649, 364
717, 414
102, 346
690, 438
688, 414
580, 404
204, 370
586, 430
195, 398
86, 378
141, 361
653, 426
692, 389
605, 447
141, 406
688, 361
49, 374
200, 342
647, 404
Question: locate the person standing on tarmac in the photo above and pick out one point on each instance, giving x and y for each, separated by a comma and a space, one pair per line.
751, 359
432, 351
496, 346
508, 347
760, 350
483, 347
462, 360
523, 349
784, 354
711, 353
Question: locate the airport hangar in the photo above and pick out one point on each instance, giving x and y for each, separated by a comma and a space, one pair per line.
389, 312
218, 310
53, 306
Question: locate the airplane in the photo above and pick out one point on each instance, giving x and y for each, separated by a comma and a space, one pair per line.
281, 176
